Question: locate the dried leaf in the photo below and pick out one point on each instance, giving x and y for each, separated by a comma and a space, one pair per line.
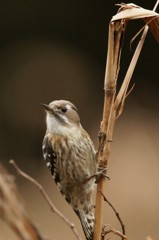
131, 11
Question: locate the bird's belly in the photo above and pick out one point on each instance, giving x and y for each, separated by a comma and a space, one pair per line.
77, 194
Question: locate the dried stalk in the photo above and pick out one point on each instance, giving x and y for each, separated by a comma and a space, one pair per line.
116, 32
113, 105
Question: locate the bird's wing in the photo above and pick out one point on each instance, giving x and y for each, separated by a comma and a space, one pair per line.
50, 158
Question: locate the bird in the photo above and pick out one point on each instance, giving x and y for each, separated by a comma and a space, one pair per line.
70, 156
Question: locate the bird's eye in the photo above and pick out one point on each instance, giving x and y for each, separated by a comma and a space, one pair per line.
64, 109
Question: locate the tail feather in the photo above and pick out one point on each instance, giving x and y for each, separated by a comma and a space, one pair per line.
87, 222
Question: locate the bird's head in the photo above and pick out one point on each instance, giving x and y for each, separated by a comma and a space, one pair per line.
61, 114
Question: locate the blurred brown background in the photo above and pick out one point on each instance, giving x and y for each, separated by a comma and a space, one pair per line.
57, 50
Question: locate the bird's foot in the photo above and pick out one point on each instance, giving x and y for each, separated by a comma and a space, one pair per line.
100, 174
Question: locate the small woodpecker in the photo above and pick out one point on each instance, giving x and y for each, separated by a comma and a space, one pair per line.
70, 156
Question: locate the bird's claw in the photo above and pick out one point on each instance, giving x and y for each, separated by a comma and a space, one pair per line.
97, 176
100, 174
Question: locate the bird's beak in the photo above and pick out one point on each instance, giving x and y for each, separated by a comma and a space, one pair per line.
47, 108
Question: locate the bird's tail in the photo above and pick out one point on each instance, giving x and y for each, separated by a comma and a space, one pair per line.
87, 222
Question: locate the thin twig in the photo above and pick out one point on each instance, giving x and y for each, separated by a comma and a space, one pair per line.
116, 213
116, 232
46, 197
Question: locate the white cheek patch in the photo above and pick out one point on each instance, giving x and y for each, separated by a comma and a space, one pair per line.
64, 118
54, 126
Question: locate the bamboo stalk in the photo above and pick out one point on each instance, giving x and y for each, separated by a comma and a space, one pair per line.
113, 103
108, 120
